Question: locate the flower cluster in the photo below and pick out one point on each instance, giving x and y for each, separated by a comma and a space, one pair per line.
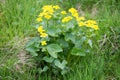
49, 11
42, 34
81, 20
92, 24
63, 12
66, 19
74, 12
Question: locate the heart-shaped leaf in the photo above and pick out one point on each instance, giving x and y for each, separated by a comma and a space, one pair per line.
69, 36
53, 31
53, 49
60, 65
48, 59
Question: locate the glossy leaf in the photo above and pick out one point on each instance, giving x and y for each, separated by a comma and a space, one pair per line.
52, 31
32, 51
40, 70
53, 49
69, 36
60, 65
48, 59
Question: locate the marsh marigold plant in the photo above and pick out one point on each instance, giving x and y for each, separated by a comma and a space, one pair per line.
61, 35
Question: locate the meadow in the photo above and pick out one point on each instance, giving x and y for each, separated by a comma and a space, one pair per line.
17, 21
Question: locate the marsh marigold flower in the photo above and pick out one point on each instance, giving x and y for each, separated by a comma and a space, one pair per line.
81, 24
72, 10
43, 43
39, 19
40, 29
47, 16
41, 14
56, 7
88, 24
43, 35
80, 18
48, 9
95, 27
66, 19
75, 15
92, 24
63, 12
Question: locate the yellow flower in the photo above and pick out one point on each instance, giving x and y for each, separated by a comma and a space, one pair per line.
95, 27
81, 24
43, 43
41, 14
80, 18
47, 16
51, 12
48, 9
75, 15
56, 7
40, 29
66, 19
91, 22
72, 10
63, 12
39, 19
43, 35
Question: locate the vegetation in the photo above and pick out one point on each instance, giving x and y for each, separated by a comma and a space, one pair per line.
17, 22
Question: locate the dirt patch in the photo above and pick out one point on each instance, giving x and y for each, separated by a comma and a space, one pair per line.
23, 58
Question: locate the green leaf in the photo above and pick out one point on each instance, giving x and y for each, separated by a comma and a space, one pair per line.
90, 43
60, 65
37, 45
69, 26
64, 62
32, 51
45, 68
77, 52
52, 31
48, 59
63, 43
79, 42
53, 54
40, 70
64, 71
53, 49
33, 46
69, 36
33, 41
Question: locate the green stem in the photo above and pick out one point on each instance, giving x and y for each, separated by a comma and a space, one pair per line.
68, 58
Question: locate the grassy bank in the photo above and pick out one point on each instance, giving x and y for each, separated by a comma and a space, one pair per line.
17, 18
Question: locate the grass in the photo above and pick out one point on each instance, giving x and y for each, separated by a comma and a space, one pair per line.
17, 19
